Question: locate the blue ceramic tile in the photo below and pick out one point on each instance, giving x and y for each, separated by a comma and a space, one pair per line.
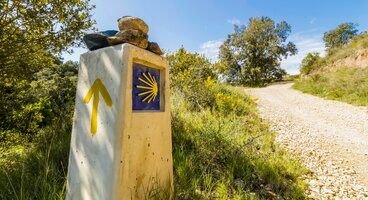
146, 88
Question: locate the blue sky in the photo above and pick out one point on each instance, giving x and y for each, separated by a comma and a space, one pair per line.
203, 25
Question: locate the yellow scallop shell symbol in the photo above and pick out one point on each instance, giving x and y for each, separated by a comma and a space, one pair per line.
150, 87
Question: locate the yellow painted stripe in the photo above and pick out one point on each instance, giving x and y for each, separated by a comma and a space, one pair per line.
151, 78
152, 98
105, 94
146, 92
148, 79
147, 97
144, 87
96, 99
143, 81
95, 90
90, 93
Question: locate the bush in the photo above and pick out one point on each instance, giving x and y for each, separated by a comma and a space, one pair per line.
346, 84
221, 148
226, 152
35, 134
310, 63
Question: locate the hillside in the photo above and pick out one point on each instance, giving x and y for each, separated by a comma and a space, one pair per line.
341, 74
354, 54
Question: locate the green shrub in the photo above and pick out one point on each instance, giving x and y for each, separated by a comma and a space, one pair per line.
346, 84
226, 152
35, 134
310, 63
221, 148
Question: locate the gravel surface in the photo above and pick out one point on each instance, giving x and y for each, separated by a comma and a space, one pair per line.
330, 138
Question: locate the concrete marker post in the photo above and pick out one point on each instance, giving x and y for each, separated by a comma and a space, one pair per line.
121, 139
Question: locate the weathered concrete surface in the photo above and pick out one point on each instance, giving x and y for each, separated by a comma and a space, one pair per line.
130, 151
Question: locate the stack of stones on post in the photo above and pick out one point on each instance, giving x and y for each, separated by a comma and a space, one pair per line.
132, 30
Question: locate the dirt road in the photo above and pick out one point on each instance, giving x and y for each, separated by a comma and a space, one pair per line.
330, 138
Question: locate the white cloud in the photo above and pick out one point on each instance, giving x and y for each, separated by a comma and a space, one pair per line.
233, 21
305, 43
211, 49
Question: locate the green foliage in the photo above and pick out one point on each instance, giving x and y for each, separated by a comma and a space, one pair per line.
189, 71
226, 152
33, 32
360, 41
316, 64
252, 54
309, 63
27, 107
221, 148
346, 84
291, 78
35, 134
340, 36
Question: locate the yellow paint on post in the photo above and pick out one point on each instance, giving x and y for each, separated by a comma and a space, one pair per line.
151, 88
131, 156
95, 90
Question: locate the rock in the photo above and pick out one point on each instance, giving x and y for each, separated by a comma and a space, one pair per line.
133, 23
153, 47
98, 40
134, 37
333, 174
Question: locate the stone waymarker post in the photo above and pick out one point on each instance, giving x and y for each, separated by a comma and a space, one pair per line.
121, 138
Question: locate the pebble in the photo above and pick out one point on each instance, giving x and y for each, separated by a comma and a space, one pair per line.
333, 176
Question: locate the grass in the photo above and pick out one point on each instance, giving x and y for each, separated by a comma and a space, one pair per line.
223, 151
36, 170
358, 43
229, 155
349, 85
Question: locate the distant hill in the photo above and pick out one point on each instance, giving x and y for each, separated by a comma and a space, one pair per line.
355, 54
340, 75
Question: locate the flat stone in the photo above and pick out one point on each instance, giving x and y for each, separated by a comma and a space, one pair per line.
134, 23
155, 48
134, 37
98, 40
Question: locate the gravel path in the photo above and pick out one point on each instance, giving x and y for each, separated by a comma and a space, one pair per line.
330, 138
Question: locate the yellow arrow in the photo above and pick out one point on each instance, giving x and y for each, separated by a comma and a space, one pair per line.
95, 90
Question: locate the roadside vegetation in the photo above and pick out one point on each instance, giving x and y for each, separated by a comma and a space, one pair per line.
221, 148
348, 83
37, 94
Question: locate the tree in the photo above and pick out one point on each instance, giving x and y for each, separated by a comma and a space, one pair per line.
309, 63
252, 54
340, 35
34, 32
189, 67
191, 74
36, 120
26, 107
